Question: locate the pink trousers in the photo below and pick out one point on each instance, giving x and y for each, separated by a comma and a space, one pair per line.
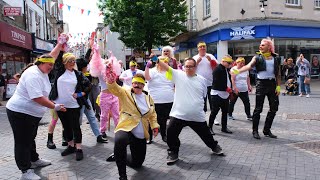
108, 102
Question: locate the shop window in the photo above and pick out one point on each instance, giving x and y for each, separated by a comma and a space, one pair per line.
293, 2
317, 3
207, 11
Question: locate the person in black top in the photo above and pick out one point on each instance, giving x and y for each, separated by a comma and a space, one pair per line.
221, 89
267, 64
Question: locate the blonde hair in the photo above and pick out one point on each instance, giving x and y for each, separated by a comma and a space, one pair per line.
167, 48
68, 56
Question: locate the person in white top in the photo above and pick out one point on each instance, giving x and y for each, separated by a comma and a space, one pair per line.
206, 63
187, 109
241, 86
161, 91
71, 88
126, 76
26, 108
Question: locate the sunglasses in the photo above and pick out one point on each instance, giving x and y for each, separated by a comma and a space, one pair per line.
71, 61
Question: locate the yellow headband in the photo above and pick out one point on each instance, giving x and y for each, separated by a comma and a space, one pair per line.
201, 44
132, 63
241, 59
67, 55
138, 79
164, 59
46, 60
227, 59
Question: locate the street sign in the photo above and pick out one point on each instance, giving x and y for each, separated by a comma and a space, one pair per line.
12, 11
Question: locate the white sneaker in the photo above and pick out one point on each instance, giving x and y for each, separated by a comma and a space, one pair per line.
216, 122
308, 95
300, 95
40, 163
29, 175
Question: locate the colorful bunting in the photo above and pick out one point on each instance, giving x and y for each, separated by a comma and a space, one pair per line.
61, 6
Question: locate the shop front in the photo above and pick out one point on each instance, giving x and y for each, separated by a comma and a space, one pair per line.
15, 48
40, 47
244, 41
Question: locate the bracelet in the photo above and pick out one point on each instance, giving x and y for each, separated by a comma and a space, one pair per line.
79, 94
278, 88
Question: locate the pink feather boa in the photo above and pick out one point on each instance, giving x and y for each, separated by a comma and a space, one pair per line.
97, 67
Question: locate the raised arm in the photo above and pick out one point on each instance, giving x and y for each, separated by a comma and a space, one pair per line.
147, 70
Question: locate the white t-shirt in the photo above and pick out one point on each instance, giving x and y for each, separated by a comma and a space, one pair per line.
33, 84
204, 68
241, 80
188, 96
143, 107
66, 86
269, 72
130, 74
103, 83
160, 88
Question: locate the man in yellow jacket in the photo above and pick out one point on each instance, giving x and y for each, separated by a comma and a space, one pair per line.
136, 114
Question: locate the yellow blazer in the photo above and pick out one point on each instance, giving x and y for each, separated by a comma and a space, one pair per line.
130, 115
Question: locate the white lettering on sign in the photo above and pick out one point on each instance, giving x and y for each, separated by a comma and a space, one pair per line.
242, 33
12, 11
18, 37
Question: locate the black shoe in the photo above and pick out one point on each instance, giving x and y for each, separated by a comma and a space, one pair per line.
217, 150
211, 131
149, 141
226, 130
100, 139
269, 134
123, 177
111, 158
249, 118
79, 154
256, 135
68, 151
172, 158
51, 145
64, 143
104, 135
164, 138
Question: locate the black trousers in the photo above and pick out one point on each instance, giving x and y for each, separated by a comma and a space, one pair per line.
138, 148
175, 127
163, 111
219, 103
209, 98
71, 124
265, 88
24, 129
244, 96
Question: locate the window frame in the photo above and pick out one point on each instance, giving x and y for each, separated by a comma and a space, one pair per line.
291, 3
317, 4
206, 8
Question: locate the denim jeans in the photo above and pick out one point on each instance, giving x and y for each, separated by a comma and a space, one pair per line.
91, 118
303, 88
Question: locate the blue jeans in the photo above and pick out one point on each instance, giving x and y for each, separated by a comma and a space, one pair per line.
91, 118
303, 88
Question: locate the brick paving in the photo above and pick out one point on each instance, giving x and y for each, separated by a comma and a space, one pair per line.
246, 158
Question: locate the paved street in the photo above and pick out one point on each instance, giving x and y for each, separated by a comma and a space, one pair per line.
294, 155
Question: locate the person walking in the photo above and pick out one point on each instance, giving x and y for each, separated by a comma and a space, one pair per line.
26, 108
241, 88
267, 64
187, 108
2, 84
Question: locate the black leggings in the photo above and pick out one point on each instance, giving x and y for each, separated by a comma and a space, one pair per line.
71, 124
138, 148
244, 96
24, 129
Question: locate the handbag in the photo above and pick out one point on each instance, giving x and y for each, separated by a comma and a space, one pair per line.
306, 80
